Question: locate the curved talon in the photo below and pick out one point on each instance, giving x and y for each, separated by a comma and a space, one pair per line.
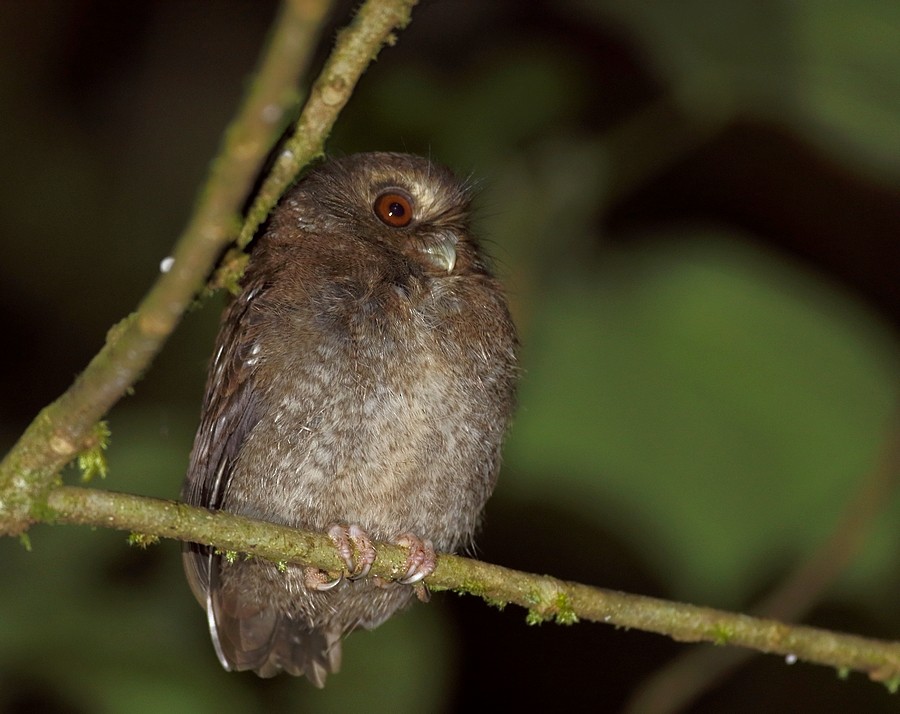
413, 579
315, 579
322, 587
341, 538
346, 540
421, 561
366, 552
364, 571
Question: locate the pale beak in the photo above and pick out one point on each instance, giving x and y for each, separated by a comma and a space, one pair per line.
441, 251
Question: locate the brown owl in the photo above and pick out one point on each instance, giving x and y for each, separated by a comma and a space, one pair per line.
362, 383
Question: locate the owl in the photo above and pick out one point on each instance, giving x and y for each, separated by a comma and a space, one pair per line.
361, 385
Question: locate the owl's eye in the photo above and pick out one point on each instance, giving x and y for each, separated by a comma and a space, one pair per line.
394, 208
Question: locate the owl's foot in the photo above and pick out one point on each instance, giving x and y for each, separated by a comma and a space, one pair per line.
421, 561
316, 579
354, 548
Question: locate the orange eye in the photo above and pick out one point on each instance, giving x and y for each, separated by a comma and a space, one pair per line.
394, 208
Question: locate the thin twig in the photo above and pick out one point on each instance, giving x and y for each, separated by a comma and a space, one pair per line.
675, 686
360, 41
66, 427
546, 598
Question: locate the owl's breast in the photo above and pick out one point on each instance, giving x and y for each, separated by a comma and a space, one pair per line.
376, 421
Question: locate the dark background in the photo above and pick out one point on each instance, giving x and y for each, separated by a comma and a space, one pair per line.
694, 207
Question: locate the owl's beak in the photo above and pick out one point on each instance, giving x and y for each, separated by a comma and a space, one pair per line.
442, 251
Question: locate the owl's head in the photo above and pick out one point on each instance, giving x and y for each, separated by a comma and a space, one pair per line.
400, 201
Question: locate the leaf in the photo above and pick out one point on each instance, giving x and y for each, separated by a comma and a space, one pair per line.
712, 405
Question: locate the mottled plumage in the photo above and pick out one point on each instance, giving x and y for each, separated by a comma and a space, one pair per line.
364, 375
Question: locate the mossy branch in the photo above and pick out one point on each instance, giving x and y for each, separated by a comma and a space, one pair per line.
544, 597
65, 428
360, 42
674, 687
29, 484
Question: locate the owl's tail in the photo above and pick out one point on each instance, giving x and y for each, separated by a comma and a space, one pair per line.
299, 650
262, 639
269, 642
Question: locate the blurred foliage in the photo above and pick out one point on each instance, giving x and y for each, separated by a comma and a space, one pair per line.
695, 209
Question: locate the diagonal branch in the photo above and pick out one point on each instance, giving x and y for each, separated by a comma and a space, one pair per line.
677, 685
29, 489
372, 27
546, 598
66, 427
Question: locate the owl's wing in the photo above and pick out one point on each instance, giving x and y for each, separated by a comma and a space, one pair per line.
246, 634
231, 409
230, 405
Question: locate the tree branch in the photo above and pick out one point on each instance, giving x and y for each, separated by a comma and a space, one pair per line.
66, 427
29, 486
359, 43
679, 683
545, 598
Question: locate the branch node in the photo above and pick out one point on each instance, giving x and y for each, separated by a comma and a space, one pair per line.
550, 602
62, 446
92, 461
142, 540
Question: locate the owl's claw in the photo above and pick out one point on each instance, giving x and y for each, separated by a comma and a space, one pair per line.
421, 561
357, 552
316, 579
354, 548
